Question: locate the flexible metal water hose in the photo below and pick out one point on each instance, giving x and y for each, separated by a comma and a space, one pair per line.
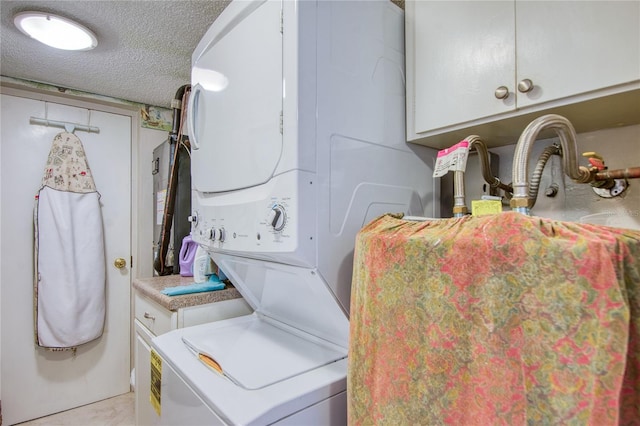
534, 185
567, 135
459, 205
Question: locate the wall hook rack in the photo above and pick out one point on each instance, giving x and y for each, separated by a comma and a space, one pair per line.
67, 125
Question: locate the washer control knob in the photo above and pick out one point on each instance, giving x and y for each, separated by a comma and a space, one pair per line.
211, 234
277, 217
221, 235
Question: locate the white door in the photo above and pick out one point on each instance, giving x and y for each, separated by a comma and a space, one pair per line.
35, 381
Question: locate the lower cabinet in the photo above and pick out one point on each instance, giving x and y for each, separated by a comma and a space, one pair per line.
151, 320
144, 410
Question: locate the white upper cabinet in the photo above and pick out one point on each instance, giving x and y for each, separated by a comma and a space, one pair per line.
488, 67
567, 48
462, 50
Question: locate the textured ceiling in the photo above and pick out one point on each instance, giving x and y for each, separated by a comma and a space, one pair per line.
143, 54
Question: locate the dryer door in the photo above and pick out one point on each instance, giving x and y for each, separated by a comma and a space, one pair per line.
236, 101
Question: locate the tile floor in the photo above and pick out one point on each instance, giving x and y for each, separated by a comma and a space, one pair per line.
117, 411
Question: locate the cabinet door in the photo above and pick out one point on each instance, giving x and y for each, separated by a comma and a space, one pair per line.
462, 52
572, 47
145, 415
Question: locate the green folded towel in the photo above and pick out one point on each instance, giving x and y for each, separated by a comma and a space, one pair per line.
193, 288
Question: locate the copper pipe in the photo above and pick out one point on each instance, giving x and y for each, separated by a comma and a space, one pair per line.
628, 173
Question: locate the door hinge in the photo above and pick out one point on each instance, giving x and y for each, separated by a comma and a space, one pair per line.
281, 123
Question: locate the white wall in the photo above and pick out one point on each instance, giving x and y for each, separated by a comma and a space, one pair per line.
620, 148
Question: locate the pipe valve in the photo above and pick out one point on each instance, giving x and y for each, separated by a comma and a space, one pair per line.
604, 184
596, 165
595, 160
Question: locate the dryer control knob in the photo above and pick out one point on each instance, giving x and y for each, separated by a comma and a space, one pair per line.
211, 234
193, 219
277, 218
221, 235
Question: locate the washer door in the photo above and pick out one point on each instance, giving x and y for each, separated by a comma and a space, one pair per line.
236, 102
257, 352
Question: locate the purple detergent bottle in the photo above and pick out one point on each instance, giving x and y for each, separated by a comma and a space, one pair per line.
187, 255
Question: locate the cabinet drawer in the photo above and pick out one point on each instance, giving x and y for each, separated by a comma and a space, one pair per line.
153, 316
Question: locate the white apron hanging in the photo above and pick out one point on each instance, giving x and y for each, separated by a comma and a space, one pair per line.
69, 279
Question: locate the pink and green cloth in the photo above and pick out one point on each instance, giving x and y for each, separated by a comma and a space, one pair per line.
494, 320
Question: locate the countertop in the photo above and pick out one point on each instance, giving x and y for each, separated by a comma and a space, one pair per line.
151, 287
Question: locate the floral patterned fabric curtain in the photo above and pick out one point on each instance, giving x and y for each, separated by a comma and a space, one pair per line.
503, 320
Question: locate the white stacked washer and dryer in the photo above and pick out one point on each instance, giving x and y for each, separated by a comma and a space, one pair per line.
297, 124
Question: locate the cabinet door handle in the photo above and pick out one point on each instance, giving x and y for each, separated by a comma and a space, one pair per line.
525, 86
147, 315
502, 92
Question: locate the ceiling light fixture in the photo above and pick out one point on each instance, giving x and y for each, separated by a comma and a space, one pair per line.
55, 31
